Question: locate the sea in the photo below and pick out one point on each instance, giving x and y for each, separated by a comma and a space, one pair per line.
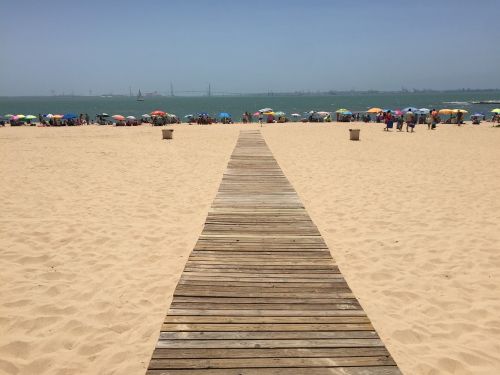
237, 105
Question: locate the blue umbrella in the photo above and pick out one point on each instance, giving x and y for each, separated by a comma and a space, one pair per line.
346, 113
408, 109
224, 115
69, 116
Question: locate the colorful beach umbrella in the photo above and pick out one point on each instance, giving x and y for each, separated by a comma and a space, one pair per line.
69, 116
224, 115
408, 109
158, 113
445, 111
118, 117
279, 113
375, 110
265, 110
496, 110
30, 117
19, 117
342, 110
269, 113
459, 110
256, 114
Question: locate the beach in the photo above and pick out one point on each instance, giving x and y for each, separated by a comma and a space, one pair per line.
97, 224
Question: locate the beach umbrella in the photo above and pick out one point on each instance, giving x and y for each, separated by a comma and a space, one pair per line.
146, 116
341, 110
477, 115
256, 114
69, 116
10, 114
280, 113
48, 115
158, 113
460, 110
57, 116
118, 117
408, 109
375, 110
424, 111
224, 115
269, 113
295, 114
188, 116
131, 118
496, 110
20, 117
398, 112
346, 113
30, 117
322, 113
265, 110
104, 115
445, 111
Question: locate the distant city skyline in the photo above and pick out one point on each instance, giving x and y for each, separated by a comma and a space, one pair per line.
247, 47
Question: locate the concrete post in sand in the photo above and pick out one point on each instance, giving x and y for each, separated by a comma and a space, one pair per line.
354, 134
167, 133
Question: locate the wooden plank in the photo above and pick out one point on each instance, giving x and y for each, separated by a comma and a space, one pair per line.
246, 344
364, 370
270, 362
260, 293
270, 353
269, 327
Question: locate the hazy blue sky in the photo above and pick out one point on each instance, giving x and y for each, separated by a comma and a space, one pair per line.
247, 46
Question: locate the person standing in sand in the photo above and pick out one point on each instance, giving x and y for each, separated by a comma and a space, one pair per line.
409, 118
389, 121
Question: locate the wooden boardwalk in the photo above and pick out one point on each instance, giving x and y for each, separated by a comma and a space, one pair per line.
260, 293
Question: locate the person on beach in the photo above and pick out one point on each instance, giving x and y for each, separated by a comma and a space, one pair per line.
410, 120
389, 121
434, 119
399, 126
459, 118
261, 117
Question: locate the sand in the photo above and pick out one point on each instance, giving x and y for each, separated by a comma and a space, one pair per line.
97, 222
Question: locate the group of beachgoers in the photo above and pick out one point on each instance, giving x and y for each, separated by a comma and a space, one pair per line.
410, 116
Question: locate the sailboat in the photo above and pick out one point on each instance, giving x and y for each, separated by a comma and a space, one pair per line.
140, 98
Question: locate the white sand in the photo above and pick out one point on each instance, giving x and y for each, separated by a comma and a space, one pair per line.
96, 225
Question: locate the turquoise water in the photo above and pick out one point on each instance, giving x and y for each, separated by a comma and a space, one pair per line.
236, 105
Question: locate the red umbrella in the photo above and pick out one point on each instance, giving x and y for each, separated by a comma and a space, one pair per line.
158, 113
119, 117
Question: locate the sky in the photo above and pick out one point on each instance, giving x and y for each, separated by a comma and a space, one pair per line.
236, 46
